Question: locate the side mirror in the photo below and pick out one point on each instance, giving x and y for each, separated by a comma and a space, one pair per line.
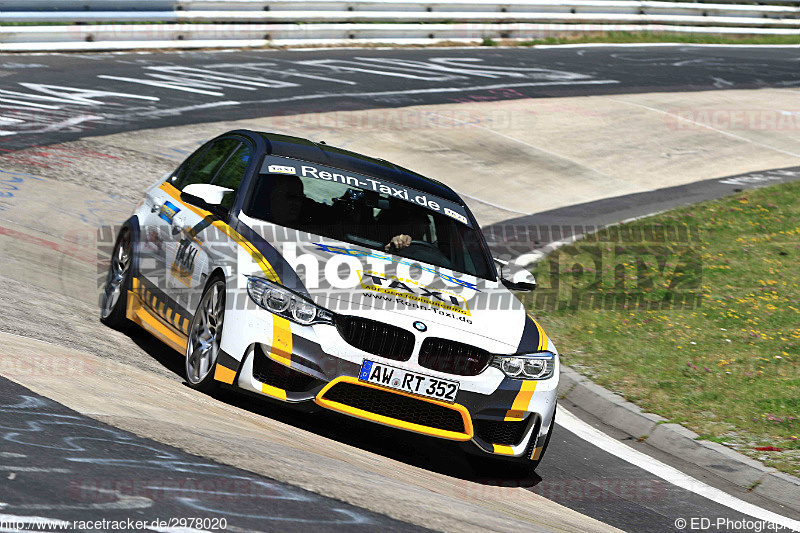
515, 278
206, 196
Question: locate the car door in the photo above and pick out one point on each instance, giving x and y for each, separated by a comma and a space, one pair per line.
194, 248
156, 226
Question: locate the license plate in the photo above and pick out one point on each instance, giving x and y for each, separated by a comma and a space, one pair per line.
407, 381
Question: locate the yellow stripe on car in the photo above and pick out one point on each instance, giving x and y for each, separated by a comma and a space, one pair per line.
514, 415
227, 230
521, 402
224, 374
503, 450
275, 392
543, 342
395, 422
281, 350
152, 323
282, 334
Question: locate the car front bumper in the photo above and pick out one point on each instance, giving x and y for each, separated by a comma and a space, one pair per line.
496, 414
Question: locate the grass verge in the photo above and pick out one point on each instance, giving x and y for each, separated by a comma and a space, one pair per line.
729, 369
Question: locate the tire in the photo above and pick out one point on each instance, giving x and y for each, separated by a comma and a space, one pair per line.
205, 332
114, 301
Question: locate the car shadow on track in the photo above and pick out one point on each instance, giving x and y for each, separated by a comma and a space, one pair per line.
160, 352
436, 455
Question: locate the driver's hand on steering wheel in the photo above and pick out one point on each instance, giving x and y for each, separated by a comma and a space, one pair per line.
399, 242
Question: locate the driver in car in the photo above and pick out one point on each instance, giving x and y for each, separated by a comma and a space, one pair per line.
405, 222
399, 242
288, 206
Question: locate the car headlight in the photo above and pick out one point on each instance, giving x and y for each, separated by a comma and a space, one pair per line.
281, 301
535, 365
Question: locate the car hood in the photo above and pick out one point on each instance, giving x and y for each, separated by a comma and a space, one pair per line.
351, 279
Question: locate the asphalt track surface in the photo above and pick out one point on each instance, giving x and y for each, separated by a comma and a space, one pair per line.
56, 98
541, 230
52, 98
58, 464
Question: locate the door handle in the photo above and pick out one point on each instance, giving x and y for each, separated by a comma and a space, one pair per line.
158, 202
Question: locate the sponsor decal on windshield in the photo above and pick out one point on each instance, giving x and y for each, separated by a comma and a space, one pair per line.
458, 216
412, 290
377, 255
277, 165
281, 169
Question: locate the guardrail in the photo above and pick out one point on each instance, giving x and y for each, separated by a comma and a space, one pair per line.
268, 5
117, 25
416, 11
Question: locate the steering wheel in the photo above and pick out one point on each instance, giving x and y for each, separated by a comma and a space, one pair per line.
423, 251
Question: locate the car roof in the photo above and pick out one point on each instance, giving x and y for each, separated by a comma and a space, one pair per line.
314, 152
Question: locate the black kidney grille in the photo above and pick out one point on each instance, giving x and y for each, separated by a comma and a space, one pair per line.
396, 406
376, 337
453, 357
499, 432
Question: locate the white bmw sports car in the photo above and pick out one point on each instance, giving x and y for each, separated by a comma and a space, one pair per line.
315, 275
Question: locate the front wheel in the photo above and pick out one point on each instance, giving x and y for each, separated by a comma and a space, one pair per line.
202, 348
115, 294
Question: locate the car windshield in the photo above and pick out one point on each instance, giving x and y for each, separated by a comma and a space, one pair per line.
370, 219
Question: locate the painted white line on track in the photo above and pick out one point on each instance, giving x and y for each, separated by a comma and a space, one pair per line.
74, 121
322, 96
31, 469
162, 84
672, 475
37, 521
434, 90
173, 111
16, 103
490, 204
656, 45
534, 256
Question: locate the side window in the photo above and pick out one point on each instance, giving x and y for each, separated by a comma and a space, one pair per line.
231, 173
188, 165
207, 165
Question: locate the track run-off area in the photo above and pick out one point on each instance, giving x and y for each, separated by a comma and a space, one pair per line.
98, 424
